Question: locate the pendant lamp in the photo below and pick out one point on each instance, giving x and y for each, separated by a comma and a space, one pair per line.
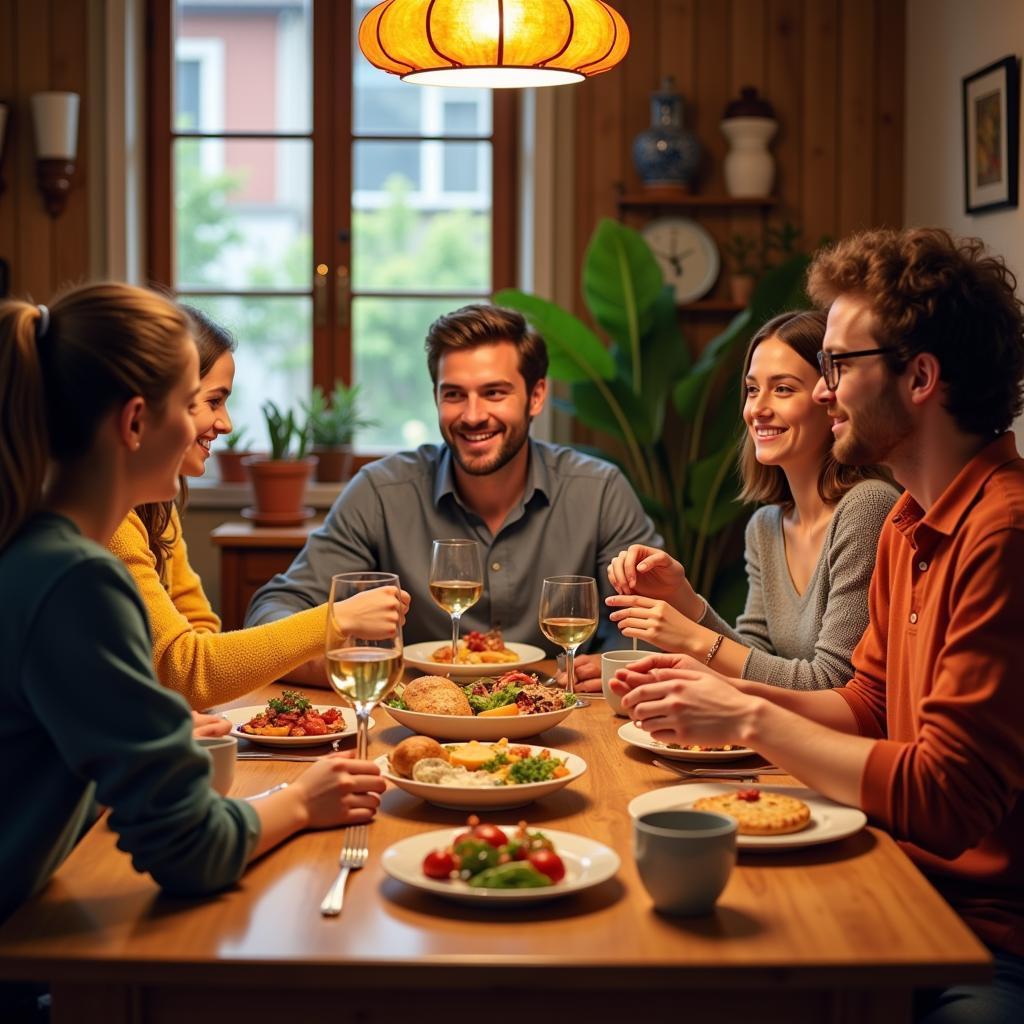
494, 44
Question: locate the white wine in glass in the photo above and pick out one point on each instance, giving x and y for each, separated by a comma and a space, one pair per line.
362, 664
568, 616
456, 580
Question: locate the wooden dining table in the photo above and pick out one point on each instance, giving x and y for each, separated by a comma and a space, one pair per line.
841, 932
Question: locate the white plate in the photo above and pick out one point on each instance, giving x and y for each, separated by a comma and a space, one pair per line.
239, 716
633, 734
489, 797
473, 727
587, 863
829, 821
418, 656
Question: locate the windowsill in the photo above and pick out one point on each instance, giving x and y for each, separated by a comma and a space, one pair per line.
212, 494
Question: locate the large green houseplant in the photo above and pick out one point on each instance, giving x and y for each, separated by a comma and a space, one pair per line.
279, 480
623, 386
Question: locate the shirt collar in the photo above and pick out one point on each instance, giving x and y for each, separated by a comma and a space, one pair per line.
538, 476
956, 500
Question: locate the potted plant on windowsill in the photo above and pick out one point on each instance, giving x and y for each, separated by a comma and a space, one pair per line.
279, 481
333, 423
229, 458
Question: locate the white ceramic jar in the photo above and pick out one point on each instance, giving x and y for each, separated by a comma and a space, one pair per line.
749, 166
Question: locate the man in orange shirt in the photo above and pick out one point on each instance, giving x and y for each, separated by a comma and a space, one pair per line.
922, 369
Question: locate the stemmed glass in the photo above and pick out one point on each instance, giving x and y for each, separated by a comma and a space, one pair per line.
568, 616
456, 580
362, 664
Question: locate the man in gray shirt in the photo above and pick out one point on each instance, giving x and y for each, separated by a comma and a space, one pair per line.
536, 509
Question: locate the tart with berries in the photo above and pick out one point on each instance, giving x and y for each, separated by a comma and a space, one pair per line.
759, 811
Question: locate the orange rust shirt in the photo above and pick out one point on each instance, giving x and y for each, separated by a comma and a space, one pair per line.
939, 680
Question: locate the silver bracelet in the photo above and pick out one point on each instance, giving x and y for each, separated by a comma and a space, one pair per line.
268, 792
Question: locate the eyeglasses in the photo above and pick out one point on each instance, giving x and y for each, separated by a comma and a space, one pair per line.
828, 362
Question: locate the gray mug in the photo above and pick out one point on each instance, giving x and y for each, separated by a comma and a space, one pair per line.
684, 858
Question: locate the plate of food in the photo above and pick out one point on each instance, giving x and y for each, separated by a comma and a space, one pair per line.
478, 653
477, 775
634, 735
486, 864
291, 720
514, 705
770, 817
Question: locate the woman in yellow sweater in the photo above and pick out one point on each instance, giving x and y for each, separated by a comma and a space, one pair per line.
190, 653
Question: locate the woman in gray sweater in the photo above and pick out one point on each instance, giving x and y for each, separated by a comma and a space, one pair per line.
810, 550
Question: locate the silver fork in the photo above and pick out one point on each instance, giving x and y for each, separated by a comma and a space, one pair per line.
354, 852
741, 774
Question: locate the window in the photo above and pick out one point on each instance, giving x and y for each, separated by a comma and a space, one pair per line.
324, 211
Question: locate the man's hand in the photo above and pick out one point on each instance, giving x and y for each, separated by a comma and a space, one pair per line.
678, 700
587, 670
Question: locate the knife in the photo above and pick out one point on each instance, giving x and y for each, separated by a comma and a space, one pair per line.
251, 755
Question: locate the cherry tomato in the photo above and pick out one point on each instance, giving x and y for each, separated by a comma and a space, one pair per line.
438, 864
547, 862
490, 834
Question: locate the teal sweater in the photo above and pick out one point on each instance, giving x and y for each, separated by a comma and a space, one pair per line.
83, 719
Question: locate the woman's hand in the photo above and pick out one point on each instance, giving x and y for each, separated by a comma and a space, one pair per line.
654, 573
209, 725
339, 790
653, 621
676, 699
374, 614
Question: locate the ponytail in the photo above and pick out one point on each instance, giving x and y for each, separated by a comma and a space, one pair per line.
61, 372
23, 438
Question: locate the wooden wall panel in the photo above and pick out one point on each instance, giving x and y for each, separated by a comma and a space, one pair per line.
833, 70
43, 46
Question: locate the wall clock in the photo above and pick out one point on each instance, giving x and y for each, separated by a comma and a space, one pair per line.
687, 255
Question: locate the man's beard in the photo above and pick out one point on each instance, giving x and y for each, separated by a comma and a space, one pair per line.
511, 444
875, 431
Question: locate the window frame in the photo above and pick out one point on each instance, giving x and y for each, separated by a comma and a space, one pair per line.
332, 91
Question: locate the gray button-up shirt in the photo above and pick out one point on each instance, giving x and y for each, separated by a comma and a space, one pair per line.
576, 513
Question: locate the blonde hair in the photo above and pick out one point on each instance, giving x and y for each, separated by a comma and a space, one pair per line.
62, 372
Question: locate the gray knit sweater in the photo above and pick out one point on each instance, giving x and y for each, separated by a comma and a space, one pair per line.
804, 641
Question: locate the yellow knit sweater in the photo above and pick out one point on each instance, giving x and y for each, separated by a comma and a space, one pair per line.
190, 653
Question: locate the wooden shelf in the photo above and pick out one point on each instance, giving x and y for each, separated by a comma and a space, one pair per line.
712, 306
653, 198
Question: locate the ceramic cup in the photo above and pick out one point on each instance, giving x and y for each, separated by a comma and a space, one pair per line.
611, 662
223, 750
684, 858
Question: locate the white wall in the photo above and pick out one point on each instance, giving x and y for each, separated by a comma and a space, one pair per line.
946, 40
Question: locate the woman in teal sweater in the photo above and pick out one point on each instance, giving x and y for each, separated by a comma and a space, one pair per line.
96, 397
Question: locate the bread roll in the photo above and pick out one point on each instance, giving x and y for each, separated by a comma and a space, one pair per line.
413, 749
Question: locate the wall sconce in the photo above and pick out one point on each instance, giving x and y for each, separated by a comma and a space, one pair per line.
3, 129
55, 115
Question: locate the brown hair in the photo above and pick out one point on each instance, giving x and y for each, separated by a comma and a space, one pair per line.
213, 341
932, 293
802, 331
103, 344
487, 325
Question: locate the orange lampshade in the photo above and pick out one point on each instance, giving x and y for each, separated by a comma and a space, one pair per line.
494, 44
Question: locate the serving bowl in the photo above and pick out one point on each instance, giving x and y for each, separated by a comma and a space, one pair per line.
473, 727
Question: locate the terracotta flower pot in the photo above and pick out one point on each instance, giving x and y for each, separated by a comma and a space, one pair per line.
229, 464
279, 486
335, 463
741, 288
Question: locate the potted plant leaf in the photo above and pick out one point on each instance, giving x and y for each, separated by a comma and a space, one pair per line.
622, 386
333, 423
229, 457
279, 480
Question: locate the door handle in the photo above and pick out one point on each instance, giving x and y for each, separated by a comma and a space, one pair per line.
320, 295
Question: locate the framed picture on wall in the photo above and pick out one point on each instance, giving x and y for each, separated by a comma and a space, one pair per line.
991, 99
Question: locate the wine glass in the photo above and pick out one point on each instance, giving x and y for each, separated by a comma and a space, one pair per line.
456, 580
568, 616
362, 664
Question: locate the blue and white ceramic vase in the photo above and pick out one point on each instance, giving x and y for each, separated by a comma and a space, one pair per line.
666, 155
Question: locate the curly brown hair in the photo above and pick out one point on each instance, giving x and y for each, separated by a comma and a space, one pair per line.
479, 324
802, 330
932, 293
